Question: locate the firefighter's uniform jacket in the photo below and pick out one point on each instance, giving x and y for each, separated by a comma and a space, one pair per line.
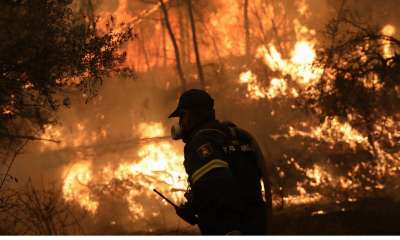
216, 194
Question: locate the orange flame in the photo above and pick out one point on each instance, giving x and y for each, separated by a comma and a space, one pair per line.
255, 91
332, 131
299, 67
388, 30
158, 165
75, 187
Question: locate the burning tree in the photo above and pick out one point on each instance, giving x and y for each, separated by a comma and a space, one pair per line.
349, 145
360, 85
364, 61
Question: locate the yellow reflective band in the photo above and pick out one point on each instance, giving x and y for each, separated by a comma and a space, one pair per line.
216, 163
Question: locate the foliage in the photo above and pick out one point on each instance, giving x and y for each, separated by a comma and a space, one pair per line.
48, 51
30, 210
361, 79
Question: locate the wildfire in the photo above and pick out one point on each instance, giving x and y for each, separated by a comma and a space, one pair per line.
289, 76
299, 67
293, 70
277, 87
388, 30
318, 175
302, 60
146, 130
333, 131
303, 53
156, 165
51, 132
302, 199
319, 212
75, 187
255, 91
302, 7
222, 23
75, 137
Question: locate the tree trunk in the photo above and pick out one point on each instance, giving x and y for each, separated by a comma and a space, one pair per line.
182, 34
143, 46
246, 28
176, 49
195, 46
261, 27
164, 43
157, 53
214, 43
187, 44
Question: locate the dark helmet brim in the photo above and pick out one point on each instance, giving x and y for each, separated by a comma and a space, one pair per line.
175, 113
192, 99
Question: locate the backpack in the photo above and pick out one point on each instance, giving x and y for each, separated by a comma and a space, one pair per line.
243, 159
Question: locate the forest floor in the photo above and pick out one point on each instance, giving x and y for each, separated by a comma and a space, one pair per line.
372, 216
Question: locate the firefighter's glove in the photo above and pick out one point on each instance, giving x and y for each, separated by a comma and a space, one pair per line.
187, 213
188, 195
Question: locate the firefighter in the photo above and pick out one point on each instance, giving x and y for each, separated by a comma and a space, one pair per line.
223, 166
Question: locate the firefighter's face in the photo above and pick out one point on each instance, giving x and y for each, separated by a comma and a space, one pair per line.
184, 120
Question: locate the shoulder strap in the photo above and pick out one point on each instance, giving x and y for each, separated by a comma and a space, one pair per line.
233, 131
208, 130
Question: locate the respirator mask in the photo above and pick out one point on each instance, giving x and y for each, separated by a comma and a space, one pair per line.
176, 132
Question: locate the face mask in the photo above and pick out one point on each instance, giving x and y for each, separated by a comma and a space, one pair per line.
176, 132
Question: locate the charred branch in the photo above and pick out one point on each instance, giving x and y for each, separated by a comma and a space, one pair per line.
200, 73
174, 43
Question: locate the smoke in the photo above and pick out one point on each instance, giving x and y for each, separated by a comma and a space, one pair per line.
106, 132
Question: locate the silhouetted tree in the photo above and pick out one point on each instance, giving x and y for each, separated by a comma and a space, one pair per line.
175, 44
195, 45
47, 48
361, 80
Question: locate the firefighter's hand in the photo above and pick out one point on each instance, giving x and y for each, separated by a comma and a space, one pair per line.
185, 212
189, 196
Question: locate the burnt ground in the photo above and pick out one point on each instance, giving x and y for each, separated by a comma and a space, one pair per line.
373, 216
379, 216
